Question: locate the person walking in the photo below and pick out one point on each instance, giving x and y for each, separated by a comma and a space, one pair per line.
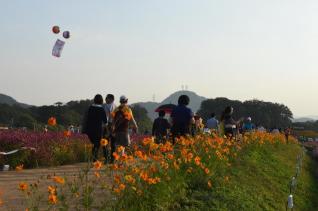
212, 123
95, 118
182, 118
122, 116
287, 133
248, 126
229, 124
160, 127
109, 107
197, 125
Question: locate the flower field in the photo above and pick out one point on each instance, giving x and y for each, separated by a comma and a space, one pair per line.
206, 172
42, 148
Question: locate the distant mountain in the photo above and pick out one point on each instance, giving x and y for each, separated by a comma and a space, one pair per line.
150, 107
5, 99
305, 119
195, 102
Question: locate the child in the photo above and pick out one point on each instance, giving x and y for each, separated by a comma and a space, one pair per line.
160, 127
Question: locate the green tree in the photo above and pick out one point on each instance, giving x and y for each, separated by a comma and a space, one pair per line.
143, 121
262, 113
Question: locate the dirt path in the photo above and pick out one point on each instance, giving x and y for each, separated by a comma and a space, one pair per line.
12, 198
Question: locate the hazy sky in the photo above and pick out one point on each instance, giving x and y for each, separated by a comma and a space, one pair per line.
240, 49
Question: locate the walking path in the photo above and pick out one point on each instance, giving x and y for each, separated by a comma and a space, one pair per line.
12, 197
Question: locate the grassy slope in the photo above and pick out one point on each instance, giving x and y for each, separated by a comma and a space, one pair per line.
259, 181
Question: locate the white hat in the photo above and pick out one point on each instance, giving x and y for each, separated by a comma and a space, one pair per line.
249, 119
123, 98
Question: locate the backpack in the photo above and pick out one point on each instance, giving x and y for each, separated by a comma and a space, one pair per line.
120, 123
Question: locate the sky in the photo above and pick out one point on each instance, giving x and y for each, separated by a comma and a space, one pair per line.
239, 49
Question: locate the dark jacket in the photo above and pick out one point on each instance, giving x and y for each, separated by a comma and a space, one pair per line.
95, 118
181, 120
160, 127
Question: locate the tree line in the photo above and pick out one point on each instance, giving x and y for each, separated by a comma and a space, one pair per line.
266, 114
71, 113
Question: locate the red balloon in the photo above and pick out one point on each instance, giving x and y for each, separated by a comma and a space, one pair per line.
66, 34
56, 29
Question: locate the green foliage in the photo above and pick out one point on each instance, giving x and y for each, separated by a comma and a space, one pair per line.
16, 116
72, 152
36, 117
143, 121
307, 126
258, 180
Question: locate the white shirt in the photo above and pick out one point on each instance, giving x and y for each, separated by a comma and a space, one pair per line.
109, 108
212, 123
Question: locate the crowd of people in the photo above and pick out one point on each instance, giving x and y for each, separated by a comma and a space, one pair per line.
114, 123
108, 121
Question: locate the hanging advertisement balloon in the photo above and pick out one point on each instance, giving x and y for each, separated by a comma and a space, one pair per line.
56, 29
66, 34
58, 47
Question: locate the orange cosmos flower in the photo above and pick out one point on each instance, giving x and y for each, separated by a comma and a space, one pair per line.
189, 170
197, 160
206, 170
184, 152
97, 165
23, 186
67, 133
170, 156
135, 170
116, 156
189, 157
103, 142
144, 176
124, 157
153, 169
153, 181
97, 175
138, 153
117, 190
1, 202
164, 165
210, 184
120, 149
52, 199
115, 167
51, 121
153, 146
51, 190
122, 187
59, 180
130, 179
146, 141
19, 167
117, 179
202, 166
